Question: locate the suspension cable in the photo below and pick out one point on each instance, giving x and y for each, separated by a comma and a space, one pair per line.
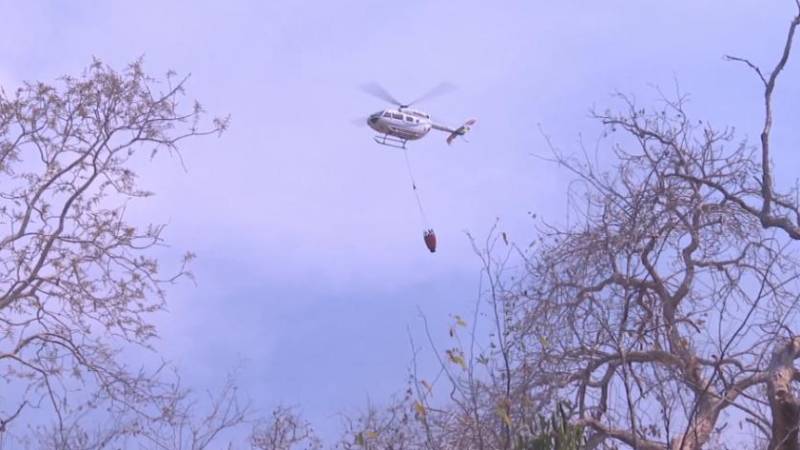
416, 192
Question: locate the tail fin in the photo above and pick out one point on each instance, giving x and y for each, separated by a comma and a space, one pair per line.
462, 130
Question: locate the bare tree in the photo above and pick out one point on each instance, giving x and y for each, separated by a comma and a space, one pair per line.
185, 421
655, 311
778, 210
78, 282
668, 310
484, 394
285, 430
394, 426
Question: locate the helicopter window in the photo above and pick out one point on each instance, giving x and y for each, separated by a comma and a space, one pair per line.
386, 114
409, 119
397, 116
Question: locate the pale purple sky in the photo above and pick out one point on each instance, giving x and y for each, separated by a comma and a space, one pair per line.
311, 262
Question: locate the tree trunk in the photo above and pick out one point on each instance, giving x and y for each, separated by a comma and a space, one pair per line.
700, 431
783, 403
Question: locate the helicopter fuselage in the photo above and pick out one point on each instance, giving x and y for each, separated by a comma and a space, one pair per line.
403, 123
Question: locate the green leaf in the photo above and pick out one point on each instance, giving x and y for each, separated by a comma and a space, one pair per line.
544, 341
502, 412
456, 358
427, 386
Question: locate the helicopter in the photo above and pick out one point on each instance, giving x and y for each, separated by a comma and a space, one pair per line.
396, 126
401, 124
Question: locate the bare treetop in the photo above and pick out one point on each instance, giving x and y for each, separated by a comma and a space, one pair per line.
76, 279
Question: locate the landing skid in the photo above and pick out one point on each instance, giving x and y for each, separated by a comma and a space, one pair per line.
391, 141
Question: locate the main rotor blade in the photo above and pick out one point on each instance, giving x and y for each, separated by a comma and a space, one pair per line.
377, 90
440, 89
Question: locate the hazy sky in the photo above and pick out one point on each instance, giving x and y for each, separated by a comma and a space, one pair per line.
311, 261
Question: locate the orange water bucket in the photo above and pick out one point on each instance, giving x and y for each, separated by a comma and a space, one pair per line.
430, 240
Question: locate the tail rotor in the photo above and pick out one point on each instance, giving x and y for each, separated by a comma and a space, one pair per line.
461, 131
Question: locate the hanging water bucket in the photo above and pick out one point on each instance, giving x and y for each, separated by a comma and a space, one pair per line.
430, 240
